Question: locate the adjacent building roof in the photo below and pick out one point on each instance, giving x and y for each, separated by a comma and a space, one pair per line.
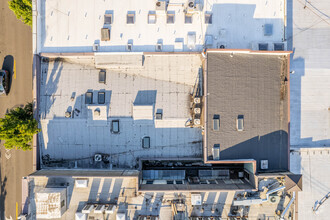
74, 26
310, 81
293, 182
251, 87
314, 165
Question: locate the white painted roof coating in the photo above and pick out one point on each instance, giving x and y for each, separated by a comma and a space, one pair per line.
310, 82
314, 165
167, 90
74, 26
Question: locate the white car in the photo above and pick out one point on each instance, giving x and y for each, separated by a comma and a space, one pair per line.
4, 82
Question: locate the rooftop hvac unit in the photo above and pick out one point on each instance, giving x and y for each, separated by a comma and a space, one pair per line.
264, 164
110, 209
97, 157
87, 209
197, 100
129, 47
81, 183
197, 121
197, 110
196, 199
99, 209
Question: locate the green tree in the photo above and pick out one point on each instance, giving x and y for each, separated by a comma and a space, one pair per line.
22, 10
18, 127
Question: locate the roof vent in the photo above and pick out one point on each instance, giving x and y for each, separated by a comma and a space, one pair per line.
81, 183
216, 152
96, 47
68, 114
240, 123
196, 199
159, 47
110, 209
264, 164
97, 112
129, 47
97, 157
216, 122
161, 6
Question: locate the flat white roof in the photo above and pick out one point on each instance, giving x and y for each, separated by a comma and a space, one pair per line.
310, 82
166, 86
314, 165
74, 26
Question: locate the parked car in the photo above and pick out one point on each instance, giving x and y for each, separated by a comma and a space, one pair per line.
4, 82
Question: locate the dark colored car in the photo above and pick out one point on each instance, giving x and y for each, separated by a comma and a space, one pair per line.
4, 82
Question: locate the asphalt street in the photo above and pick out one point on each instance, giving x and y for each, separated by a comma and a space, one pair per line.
15, 42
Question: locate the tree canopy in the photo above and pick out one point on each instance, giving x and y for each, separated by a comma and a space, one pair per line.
22, 10
18, 127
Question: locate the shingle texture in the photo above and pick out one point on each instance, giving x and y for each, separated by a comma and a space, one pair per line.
253, 86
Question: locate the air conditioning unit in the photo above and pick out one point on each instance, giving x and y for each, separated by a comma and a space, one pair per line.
197, 100
197, 121
97, 157
87, 209
197, 110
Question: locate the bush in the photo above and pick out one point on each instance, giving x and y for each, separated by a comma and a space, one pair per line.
18, 127
22, 10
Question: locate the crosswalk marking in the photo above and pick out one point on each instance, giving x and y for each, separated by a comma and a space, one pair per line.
8, 154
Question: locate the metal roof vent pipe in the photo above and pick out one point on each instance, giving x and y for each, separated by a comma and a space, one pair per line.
97, 112
288, 206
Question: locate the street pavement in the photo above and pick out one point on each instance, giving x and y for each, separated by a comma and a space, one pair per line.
15, 41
